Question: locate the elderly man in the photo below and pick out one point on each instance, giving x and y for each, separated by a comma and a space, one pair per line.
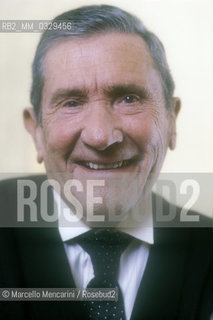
103, 117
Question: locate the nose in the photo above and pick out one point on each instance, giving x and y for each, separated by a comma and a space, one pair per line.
100, 130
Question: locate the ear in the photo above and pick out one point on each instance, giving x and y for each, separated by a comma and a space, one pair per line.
172, 122
35, 130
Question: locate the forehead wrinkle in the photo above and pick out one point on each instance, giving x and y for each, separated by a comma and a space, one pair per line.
93, 82
76, 49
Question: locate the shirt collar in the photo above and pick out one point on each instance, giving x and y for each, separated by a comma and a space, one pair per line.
143, 231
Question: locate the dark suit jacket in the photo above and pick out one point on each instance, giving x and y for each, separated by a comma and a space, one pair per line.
177, 283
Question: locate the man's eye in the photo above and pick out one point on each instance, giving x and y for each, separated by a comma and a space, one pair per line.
71, 104
130, 99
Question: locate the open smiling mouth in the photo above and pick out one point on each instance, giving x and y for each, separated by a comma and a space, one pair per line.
100, 166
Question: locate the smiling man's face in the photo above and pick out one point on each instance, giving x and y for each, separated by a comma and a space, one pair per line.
103, 118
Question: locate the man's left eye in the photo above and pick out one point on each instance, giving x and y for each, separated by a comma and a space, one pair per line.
130, 99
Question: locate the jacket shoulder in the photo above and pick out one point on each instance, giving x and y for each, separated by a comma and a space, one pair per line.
167, 214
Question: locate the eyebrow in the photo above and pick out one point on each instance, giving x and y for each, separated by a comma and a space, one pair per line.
119, 90
61, 94
113, 91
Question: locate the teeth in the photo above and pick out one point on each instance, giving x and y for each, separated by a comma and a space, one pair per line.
97, 166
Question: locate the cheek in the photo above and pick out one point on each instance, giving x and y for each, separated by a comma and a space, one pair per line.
150, 135
59, 137
143, 132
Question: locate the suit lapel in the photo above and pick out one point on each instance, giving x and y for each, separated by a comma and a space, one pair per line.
41, 249
43, 258
44, 264
160, 290
176, 272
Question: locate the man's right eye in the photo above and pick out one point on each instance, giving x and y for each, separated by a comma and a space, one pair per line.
71, 104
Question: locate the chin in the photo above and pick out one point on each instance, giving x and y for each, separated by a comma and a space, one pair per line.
105, 215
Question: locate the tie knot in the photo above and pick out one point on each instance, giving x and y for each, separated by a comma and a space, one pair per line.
104, 238
105, 247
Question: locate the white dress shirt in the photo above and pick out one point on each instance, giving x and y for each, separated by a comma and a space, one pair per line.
132, 262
